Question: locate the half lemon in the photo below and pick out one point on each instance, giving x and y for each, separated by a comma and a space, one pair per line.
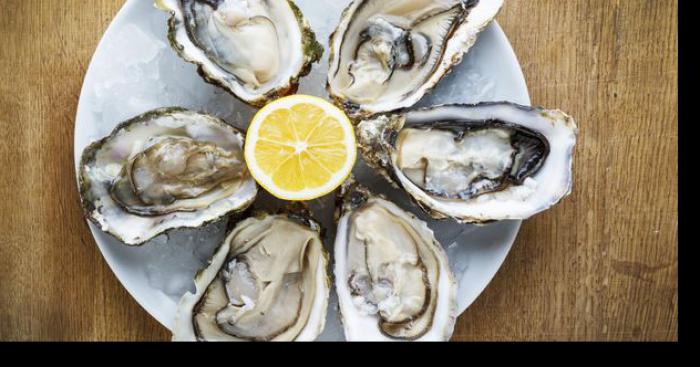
300, 147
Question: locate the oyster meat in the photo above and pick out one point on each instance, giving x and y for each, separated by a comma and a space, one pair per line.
165, 169
474, 163
268, 281
392, 276
386, 55
255, 49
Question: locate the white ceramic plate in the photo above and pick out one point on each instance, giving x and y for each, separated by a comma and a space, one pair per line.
134, 70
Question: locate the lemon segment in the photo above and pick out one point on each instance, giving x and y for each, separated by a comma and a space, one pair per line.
300, 147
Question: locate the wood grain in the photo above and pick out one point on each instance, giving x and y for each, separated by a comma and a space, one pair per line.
602, 265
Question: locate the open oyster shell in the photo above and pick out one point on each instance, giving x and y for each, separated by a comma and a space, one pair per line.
392, 276
267, 281
165, 169
474, 163
386, 55
255, 49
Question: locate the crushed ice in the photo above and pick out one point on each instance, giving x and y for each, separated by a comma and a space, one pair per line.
141, 72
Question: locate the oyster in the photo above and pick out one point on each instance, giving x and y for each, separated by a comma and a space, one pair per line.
474, 163
255, 49
392, 276
386, 55
268, 281
164, 169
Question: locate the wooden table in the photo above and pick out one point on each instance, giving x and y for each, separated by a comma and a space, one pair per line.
601, 265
